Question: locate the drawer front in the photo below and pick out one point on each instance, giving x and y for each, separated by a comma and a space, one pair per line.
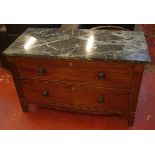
73, 95
106, 74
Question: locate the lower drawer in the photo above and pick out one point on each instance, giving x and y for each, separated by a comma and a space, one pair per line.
75, 96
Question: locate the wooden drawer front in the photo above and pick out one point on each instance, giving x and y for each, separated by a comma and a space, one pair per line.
75, 96
91, 72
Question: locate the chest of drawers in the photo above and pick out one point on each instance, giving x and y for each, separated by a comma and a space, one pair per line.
94, 72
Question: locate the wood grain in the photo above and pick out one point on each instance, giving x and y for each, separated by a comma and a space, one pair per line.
117, 75
75, 95
74, 85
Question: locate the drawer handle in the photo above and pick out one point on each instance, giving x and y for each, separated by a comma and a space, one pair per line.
45, 93
101, 99
101, 76
41, 70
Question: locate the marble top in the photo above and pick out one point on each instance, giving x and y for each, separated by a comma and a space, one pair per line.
81, 44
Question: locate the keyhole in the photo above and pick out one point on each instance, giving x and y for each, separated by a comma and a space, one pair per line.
70, 64
72, 88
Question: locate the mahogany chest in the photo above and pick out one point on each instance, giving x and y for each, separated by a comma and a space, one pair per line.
94, 72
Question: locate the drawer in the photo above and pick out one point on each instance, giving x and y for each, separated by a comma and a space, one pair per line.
106, 74
75, 96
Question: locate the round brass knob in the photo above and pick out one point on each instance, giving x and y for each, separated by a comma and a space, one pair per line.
101, 76
41, 70
45, 93
101, 99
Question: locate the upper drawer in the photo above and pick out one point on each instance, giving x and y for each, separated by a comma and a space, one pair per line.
105, 74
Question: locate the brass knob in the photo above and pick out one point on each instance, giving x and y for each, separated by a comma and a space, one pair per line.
41, 70
101, 99
101, 76
45, 93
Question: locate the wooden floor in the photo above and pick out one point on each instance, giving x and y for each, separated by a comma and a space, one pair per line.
12, 117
